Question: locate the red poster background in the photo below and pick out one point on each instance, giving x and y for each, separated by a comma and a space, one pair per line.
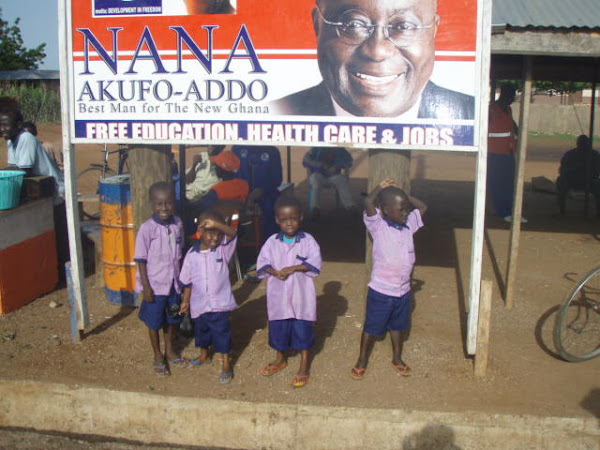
280, 24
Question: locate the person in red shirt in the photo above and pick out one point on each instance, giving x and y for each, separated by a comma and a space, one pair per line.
502, 144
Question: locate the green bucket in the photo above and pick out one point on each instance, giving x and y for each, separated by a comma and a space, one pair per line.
10, 188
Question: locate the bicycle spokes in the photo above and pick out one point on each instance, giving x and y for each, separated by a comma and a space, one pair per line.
577, 333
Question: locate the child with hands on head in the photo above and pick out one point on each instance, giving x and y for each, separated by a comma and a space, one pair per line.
392, 218
290, 260
158, 251
207, 293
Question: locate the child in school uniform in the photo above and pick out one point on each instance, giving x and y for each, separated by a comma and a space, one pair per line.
392, 218
290, 260
207, 290
158, 251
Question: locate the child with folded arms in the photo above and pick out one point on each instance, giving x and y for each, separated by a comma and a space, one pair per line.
290, 260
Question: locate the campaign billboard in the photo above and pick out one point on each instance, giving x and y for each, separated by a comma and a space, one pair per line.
392, 73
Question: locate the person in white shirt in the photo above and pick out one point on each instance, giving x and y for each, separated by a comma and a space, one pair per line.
26, 152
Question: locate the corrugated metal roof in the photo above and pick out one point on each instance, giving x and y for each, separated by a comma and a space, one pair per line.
29, 75
547, 13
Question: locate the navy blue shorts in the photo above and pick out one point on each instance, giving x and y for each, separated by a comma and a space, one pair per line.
385, 312
214, 328
154, 315
291, 333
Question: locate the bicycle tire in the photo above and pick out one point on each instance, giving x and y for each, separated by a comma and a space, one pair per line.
577, 327
88, 184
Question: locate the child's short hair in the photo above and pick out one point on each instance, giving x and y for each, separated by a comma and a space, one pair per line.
389, 194
287, 201
211, 214
160, 186
30, 126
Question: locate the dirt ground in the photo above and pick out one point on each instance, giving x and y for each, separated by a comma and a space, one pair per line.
524, 377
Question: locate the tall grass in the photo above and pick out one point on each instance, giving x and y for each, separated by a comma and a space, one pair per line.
38, 103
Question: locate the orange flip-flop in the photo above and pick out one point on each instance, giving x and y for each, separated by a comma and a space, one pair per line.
403, 369
358, 374
271, 370
300, 381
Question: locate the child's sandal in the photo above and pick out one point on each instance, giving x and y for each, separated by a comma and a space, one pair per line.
403, 369
181, 363
358, 374
196, 362
225, 377
300, 381
271, 369
161, 370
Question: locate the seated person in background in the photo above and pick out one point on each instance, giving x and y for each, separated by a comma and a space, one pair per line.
26, 153
325, 167
202, 175
231, 190
260, 166
574, 169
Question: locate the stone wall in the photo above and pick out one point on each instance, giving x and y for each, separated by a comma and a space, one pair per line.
561, 119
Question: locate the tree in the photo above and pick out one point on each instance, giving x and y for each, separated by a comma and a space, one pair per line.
13, 54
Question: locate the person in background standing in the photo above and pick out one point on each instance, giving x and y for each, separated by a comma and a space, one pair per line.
502, 144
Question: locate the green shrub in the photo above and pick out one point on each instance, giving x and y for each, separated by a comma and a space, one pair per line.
38, 103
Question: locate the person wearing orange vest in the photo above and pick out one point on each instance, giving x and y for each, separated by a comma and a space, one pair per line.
502, 143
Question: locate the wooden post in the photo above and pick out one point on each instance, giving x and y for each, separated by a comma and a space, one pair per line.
593, 103
183, 202
147, 166
588, 165
515, 230
393, 164
483, 330
481, 132
289, 164
81, 317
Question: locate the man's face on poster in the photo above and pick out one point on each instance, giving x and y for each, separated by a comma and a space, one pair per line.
367, 73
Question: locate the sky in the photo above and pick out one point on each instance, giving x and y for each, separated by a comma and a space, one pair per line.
39, 24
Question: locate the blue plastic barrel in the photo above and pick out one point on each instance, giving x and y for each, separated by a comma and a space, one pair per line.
118, 239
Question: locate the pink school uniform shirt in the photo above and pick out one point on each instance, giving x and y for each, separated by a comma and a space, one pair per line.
294, 298
393, 252
160, 244
207, 273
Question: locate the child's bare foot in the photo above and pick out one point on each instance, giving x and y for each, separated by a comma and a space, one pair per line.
158, 359
360, 364
227, 367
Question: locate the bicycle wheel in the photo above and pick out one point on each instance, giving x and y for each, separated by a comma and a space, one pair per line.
577, 328
88, 186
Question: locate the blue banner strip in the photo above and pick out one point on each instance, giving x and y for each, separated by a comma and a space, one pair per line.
301, 133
